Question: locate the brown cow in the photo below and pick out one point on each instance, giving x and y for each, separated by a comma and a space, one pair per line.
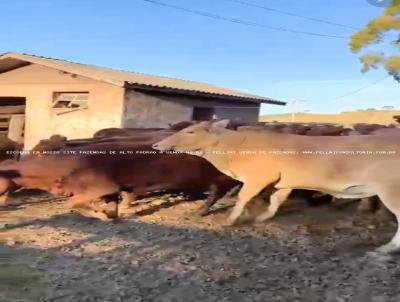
111, 132
54, 143
277, 127
87, 174
181, 125
233, 125
9, 149
295, 129
300, 129
122, 132
150, 135
368, 128
386, 131
326, 130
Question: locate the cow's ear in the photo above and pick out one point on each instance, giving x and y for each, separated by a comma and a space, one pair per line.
220, 124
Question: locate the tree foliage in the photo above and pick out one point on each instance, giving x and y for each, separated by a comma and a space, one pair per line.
374, 33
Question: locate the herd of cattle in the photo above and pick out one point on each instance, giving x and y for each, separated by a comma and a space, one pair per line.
122, 165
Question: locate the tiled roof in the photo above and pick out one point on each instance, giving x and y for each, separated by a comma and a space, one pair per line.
9, 61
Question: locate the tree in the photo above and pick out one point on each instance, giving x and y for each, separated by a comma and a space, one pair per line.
374, 33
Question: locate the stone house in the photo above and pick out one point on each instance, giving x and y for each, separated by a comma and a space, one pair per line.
42, 96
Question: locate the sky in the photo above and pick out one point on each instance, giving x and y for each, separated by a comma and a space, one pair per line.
140, 36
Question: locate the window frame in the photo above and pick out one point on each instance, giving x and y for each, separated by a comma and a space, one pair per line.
56, 99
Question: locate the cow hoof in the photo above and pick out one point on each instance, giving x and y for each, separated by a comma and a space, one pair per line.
263, 218
226, 226
258, 221
389, 248
126, 212
364, 206
203, 212
100, 216
103, 218
377, 256
93, 214
229, 223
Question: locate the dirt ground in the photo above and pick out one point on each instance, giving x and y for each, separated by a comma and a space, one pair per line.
168, 253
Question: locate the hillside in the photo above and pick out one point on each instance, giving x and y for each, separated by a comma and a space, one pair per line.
373, 117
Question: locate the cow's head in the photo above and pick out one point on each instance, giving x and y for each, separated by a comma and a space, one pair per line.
193, 138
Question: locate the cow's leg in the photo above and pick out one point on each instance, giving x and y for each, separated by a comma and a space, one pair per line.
248, 191
6, 186
211, 200
276, 200
3, 200
127, 198
234, 191
102, 205
83, 199
394, 244
95, 208
390, 198
366, 205
125, 205
215, 196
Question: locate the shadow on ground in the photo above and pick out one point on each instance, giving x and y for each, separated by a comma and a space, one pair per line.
133, 260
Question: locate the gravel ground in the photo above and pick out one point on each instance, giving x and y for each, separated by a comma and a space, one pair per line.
168, 253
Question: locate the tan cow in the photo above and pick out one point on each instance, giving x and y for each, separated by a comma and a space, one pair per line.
331, 165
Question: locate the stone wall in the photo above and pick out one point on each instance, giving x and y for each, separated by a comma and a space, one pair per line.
146, 111
245, 111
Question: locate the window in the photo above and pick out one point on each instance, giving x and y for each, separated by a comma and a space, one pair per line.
70, 99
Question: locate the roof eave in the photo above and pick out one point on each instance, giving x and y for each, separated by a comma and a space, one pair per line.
66, 69
202, 94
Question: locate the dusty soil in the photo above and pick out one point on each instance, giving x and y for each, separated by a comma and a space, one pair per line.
168, 253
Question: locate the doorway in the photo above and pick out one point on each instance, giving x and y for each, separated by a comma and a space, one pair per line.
203, 113
12, 118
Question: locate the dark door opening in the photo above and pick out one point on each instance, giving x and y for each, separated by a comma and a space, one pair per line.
12, 118
203, 113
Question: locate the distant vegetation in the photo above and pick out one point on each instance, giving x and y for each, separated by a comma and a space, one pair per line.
371, 115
